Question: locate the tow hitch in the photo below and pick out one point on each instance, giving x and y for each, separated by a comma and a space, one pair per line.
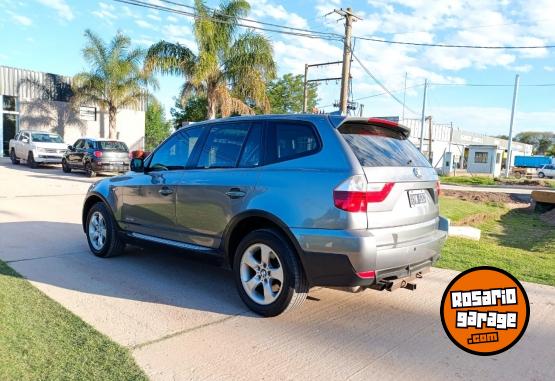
394, 284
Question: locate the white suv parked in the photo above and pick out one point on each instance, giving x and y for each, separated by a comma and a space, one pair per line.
547, 171
37, 147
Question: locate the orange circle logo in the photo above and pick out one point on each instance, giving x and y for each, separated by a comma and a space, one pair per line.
485, 310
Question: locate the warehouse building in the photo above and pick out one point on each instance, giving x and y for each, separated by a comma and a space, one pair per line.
453, 149
40, 101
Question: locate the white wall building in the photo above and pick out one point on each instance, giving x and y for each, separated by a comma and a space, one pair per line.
40, 101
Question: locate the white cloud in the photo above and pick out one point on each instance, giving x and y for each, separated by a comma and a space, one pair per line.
61, 7
154, 17
523, 68
106, 12
549, 68
144, 24
23, 20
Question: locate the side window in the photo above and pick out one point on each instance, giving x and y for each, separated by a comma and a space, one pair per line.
252, 152
87, 144
78, 144
223, 146
293, 140
175, 152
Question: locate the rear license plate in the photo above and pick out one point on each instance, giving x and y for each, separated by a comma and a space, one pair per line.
417, 197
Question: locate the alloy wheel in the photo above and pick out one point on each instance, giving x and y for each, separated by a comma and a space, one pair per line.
261, 274
97, 231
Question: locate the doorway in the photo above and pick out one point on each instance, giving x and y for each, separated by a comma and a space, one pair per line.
8, 122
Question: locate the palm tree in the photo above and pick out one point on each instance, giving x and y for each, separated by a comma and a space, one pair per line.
115, 80
229, 69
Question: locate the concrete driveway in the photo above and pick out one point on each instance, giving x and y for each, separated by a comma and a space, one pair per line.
182, 319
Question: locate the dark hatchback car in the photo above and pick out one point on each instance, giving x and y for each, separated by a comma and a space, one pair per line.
94, 155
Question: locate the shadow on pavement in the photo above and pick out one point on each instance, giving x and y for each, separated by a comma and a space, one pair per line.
58, 255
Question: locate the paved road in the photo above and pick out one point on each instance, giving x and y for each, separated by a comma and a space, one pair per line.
182, 318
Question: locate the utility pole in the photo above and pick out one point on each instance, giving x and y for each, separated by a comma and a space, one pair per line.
422, 120
430, 139
361, 109
510, 147
305, 90
404, 99
347, 57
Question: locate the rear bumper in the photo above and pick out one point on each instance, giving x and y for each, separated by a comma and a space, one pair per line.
108, 166
333, 258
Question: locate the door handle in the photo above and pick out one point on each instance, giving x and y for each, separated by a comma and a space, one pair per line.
235, 193
165, 191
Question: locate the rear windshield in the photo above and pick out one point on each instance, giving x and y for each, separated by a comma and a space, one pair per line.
376, 146
111, 145
41, 137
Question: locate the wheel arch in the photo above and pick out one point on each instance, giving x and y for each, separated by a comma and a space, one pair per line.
92, 199
248, 221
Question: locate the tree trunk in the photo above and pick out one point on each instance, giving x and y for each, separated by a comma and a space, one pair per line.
112, 123
211, 107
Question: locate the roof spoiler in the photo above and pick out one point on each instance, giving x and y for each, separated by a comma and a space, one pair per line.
339, 121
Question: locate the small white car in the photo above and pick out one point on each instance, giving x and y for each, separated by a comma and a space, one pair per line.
37, 147
547, 170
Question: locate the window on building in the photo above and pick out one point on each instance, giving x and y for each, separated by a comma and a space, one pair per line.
498, 158
480, 157
9, 103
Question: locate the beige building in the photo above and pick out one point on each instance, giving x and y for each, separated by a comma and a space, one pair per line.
40, 101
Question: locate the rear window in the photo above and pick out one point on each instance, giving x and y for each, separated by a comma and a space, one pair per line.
111, 145
376, 146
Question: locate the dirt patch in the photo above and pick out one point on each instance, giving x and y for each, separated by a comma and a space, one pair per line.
549, 217
474, 219
489, 197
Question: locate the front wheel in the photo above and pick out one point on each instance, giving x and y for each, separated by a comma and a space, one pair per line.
268, 275
13, 157
102, 234
541, 175
65, 167
31, 160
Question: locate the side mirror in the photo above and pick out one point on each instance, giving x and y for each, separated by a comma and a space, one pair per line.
137, 165
70, 147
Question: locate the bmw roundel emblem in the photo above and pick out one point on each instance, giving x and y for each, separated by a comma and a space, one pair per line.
417, 172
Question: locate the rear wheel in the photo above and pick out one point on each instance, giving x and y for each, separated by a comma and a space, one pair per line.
65, 166
268, 274
13, 157
102, 234
541, 175
31, 160
89, 171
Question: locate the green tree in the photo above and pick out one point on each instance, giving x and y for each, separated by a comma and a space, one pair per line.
286, 94
193, 111
540, 140
156, 126
229, 69
115, 79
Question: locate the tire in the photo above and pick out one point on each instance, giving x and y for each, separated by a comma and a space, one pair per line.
541, 175
31, 160
89, 171
65, 167
112, 245
278, 297
13, 157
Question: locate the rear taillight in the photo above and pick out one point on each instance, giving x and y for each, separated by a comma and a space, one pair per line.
97, 153
367, 274
354, 194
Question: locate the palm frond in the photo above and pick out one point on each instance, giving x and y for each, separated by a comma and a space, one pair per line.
170, 59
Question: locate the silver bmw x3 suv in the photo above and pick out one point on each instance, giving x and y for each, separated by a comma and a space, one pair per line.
288, 201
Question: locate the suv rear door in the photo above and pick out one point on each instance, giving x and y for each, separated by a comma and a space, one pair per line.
397, 172
222, 178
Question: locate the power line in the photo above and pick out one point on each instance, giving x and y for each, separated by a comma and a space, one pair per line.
301, 32
493, 84
454, 46
309, 34
382, 85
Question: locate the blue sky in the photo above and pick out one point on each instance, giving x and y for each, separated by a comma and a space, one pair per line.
47, 35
